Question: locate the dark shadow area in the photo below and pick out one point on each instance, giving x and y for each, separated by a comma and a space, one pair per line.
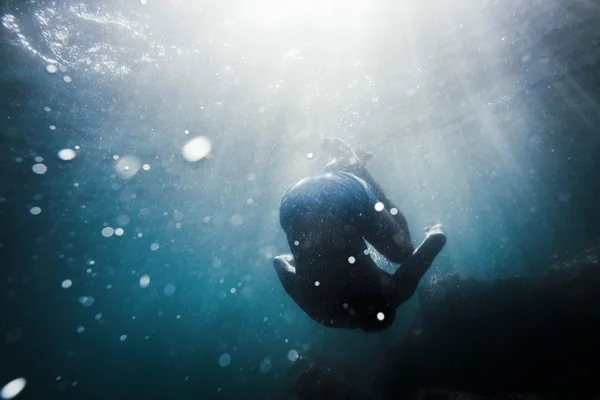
529, 338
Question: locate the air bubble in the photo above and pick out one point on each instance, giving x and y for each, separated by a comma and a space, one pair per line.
144, 281
86, 301
13, 388
66, 154
169, 289
39, 168
35, 210
196, 149
292, 355
127, 166
224, 360
379, 206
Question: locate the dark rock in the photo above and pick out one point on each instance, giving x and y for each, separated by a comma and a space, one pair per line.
311, 378
518, 335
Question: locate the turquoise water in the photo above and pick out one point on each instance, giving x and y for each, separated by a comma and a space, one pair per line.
134, 269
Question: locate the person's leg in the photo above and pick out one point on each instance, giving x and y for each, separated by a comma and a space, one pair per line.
387, 230
286, 271
407, 276
389, 238
347, 160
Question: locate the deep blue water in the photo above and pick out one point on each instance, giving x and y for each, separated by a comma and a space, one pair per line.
483, 116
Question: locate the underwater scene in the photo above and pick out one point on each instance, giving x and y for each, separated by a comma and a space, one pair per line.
186, 210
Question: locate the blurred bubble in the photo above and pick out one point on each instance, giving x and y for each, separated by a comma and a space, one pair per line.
250, 200
66, 154
127, 166
123, 220
39, 169
47, 109
169, 289
289, 317
146, 167
143, 2
154, 246
224, 360
108, 231
196, 149
123, 338
310, 156
98, 316
119, 231
292, 355
67, 78
67, 283
13, 388
265, 365
216, 263
144, 281
51, 68
237, 220
52, 127
35, 210
86, 301
80, 329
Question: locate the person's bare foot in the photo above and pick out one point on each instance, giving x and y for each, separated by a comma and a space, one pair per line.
343, 153
435, 239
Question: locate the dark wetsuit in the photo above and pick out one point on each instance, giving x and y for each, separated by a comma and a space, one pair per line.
327, 219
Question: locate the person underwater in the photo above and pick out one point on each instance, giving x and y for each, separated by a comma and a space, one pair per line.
330, 274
